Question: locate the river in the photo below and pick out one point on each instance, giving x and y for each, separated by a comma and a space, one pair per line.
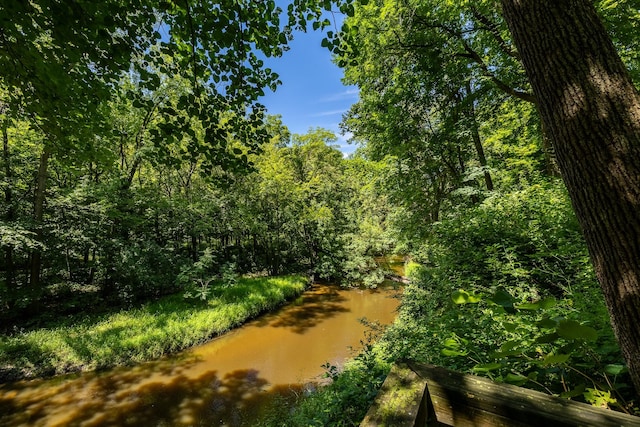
227, 381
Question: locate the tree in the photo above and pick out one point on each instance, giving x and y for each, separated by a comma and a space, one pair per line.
424, 90
62, 61
591, 109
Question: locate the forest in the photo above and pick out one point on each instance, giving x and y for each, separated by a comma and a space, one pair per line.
498, 151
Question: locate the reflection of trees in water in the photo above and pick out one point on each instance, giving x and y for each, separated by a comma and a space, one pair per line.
232, 400
321, 304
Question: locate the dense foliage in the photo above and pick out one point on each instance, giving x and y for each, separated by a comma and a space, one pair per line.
507, 290
164, 177
123, 227
504, 289
113, 117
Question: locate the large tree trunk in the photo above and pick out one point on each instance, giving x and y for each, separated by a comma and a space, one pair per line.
591, 109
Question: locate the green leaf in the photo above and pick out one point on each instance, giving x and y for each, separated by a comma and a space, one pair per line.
575, 392
547, 323
599, 398
515, 379
506, 353
509, 327
555, 359
547, 338
548, 303
509, 345
572, 330
503, 299
464, 297
615, 369
542, 304
450, 353
528, 306
486, 367
451, 343
350, 11
507, 349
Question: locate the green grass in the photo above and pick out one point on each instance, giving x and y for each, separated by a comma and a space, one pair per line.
161, 327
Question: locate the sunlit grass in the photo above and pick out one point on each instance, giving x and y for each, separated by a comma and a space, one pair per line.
161, 327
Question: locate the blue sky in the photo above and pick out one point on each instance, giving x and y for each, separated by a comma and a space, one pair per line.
312, 94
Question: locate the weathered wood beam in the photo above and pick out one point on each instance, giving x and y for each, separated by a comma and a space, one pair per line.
415, 395
400, 400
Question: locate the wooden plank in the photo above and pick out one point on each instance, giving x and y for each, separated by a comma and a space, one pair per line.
467, 400
400, 401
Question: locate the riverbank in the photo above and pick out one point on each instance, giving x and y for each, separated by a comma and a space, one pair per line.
168, 325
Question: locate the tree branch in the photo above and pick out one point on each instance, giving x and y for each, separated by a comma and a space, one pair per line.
193, 44
473, 55
492, 28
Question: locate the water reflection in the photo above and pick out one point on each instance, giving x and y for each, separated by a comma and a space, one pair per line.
209, 399
224, 382
314, 307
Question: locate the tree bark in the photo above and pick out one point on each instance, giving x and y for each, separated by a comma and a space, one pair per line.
38, 215
591, 109
477, 141
10, 214
550, 162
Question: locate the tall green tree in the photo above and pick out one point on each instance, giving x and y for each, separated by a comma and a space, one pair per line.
62, 61
423, 97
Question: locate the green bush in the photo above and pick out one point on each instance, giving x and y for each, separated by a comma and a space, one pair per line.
507, 290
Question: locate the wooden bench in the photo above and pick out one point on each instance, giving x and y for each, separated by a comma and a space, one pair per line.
418, 395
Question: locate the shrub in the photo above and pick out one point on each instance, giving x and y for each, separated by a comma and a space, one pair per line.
506, 290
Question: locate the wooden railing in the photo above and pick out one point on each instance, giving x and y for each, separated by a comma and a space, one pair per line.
418, 395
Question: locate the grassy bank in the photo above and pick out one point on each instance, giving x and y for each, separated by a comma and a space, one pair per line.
170, 324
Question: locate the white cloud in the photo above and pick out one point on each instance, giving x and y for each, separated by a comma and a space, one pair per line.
345, 137
344, 145
351, 93
328, 113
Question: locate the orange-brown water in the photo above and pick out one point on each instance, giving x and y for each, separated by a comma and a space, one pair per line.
224, 382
